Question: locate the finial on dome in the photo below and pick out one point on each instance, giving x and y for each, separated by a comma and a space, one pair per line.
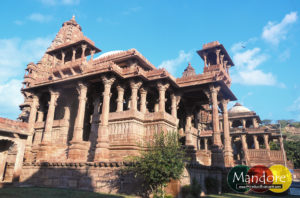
73, 17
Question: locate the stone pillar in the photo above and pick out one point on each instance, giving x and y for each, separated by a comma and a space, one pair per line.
120, 99
19, 161
40, 115
45, 151
73, 54
143, 103
175, 99
245, 146
156, 107
281, 143
102, 147
162, 95
134, 97
216, 131
230, 124
244, 123
62, 57
79, 149
255, 123
228, 66
218, 56
222, 60
50, 116
205, 144
266, 140
225, 65
205, 59
256, 144
31, 122
92, 55
228, 153
188, 126
83, 48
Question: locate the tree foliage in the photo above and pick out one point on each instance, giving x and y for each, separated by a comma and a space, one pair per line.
292, 149
266, 122
163, 161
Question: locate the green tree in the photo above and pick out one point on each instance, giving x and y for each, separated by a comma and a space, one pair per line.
266, 122
163, 161
292, 149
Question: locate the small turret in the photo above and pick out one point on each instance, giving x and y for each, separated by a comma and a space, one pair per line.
215, 57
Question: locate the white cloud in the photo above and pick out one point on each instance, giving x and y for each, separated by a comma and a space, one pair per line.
242, 44
249, 59
62, 2
246, 71
295, 108
172, 64
275, 32
10, 98
254, 77
40, 17
15, 54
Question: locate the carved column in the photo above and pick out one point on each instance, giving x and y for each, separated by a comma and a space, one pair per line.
120, 99
266, 140
281, 143
83, 48
134, 91
256, 144
143, 104
255, 123
205, 59
78, 149
174, 106
222, 59
45, 151
218, 55
205, 144
62, 57
50, 116
245, 147
92, 55
19, 161
73, 54
40, 115
31, 122
102, 148
244, 123
216, 131
188, 127
162, 95
228, 154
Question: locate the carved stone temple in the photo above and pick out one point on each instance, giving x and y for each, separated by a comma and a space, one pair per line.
84, 113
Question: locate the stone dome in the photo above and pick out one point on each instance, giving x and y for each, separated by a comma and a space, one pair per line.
238, 108
109, 53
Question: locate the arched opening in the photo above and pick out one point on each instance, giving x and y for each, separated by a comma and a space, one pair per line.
237, 124
8, 153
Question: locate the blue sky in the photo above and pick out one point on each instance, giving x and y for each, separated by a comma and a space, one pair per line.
167, 33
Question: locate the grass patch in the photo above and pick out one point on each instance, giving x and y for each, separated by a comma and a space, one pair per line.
36, 192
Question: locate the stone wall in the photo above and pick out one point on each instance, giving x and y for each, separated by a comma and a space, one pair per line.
105, 177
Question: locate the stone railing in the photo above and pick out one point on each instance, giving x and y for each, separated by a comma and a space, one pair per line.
276, 156
258, 155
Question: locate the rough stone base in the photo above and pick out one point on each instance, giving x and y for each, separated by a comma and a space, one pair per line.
105, 177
